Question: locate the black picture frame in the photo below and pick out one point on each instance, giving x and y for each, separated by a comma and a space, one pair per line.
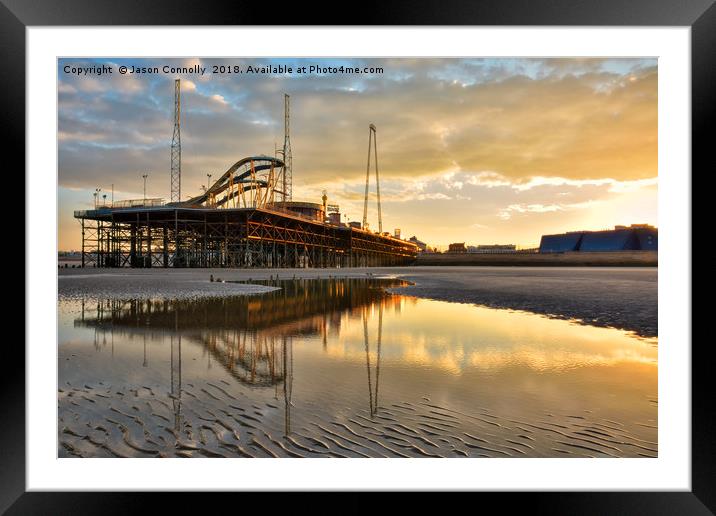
700, 15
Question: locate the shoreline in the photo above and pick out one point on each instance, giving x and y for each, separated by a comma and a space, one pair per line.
621, 298
568, 259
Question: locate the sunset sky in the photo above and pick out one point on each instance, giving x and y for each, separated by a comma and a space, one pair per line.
480, 151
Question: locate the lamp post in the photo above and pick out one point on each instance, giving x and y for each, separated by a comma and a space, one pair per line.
96, 193
145, 187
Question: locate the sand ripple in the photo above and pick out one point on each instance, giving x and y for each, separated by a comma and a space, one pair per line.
212, 421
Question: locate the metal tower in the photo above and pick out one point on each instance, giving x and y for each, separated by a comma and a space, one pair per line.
176, 145
372, 137
287, 158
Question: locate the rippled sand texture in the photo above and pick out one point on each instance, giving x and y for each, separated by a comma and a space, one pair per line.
102, 421
341, 368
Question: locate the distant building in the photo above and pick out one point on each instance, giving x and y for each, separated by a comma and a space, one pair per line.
637, 237
560, 243
492, 248
421, 245
457, 248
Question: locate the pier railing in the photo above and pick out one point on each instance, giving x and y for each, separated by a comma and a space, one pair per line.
135, 203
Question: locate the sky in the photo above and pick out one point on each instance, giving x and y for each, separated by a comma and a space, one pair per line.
481, 151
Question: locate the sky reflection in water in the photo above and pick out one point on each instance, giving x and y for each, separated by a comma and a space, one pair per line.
322, 352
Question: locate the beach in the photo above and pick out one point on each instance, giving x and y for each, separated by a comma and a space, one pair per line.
394, 362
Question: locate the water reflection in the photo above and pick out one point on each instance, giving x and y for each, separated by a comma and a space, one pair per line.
443, 371
373, 393
250, 337
287, 382
175, 393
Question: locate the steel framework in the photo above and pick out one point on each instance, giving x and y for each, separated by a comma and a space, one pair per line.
287, 156
235, 222
176, 146
168, 236
372, 138
251, 182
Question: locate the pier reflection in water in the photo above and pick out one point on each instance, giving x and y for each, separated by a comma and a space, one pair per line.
216, 377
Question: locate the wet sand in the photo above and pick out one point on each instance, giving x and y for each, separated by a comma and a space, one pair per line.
104, 421
623, 298
296, 372
121, 284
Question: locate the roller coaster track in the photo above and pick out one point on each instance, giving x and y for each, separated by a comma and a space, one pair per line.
245, 175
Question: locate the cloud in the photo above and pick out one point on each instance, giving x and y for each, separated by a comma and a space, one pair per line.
506, 213
503, 117
436, 195
63, 87
488, 179
218, 98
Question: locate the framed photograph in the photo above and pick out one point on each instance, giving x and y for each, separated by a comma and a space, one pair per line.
416, 253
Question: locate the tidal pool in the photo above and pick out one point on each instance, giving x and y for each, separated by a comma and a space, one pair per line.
344, 368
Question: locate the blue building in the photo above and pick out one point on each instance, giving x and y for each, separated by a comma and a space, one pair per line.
637, 237
561, 243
